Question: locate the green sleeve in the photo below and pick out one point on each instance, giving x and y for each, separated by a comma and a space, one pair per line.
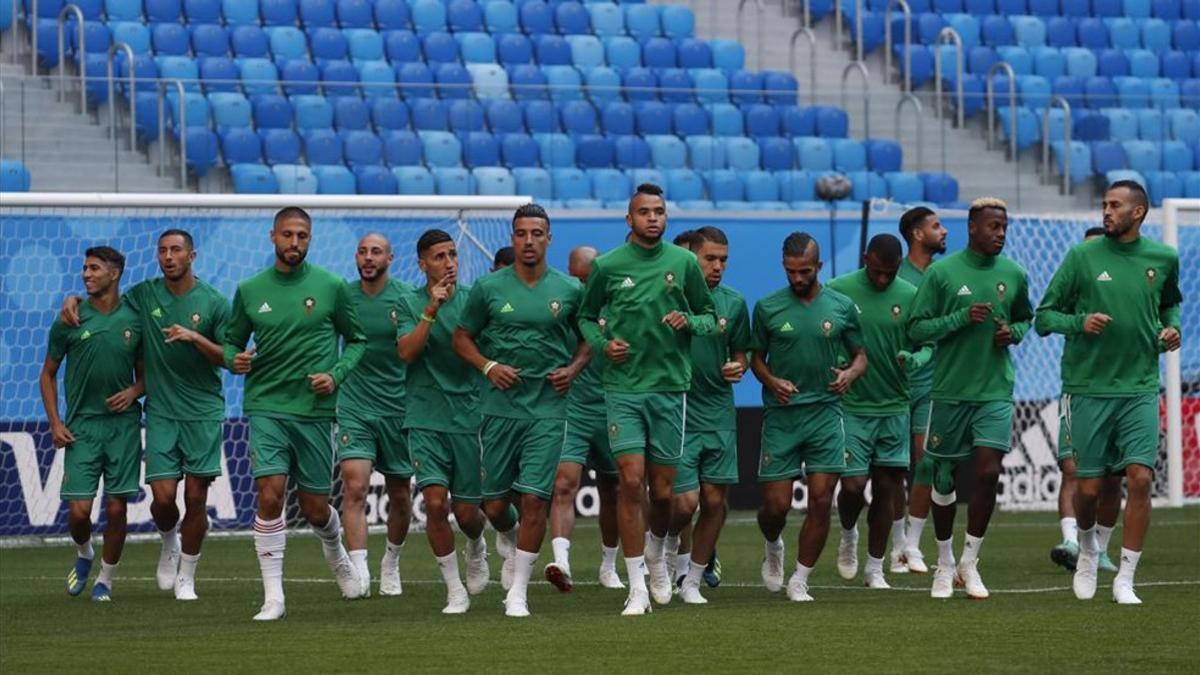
852, 336
739, 329
918, 359
57, 349
927, 323
474, 316
1021, 315
759, 333
237, 331
220, 318
1056, 313
589, 309
702, 314
406, 320
345, 320
131, 298
1172, 298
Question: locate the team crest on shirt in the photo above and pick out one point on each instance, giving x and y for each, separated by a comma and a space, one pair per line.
827, 327
195, 319
555, 308
1151, 275
393, 317
895, 312
344, 439
766, 459
613, 430
935, 440
310, 303
670, 279
1001, 289
721, 323
127, 335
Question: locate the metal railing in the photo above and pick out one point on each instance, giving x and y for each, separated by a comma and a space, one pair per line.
760, 10
861, 69
80, 55
950, 35
1012, 118
807, 33
33, 36
181, 124
887, 43
112, 100
910, 99
1047, 171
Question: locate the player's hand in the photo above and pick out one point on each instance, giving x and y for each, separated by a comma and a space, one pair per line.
1003, 336
842, 380
1170, 339
617, 350
782, 389
62, 435
675, 319
502, 377
120, 401
241, 362
978, 313
904, 357
440, 292
177, 333
733, 371
1094, 324
322, 383
562, 378
70, 311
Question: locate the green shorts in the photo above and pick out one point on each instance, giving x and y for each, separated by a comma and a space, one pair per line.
382, 440
291, 447
449, 460
956, 429
520, 455
1109, 434
587, 443
708, 457
919, 415
1065, 451
105, 445
649, 422
177, 447
876, 442
799, 439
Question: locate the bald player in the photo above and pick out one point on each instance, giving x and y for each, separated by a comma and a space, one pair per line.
586, 445
370, 416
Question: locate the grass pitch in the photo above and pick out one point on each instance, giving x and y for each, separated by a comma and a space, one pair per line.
1031, 622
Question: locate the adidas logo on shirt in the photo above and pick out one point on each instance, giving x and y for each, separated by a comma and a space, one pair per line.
157, 312
264, 309
628, 283
1104, 276
964, 290
786, 327
506, 308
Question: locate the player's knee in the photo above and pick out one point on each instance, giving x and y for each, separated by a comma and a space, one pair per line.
564, 488
437, 507
115, 511
819, 505
314, 511
1138, 481
712, 502
988, 475
354, 491
79, 512
495, 510
774, 508
854, 488
632, 487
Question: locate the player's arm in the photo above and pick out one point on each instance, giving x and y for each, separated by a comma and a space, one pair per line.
701, 315
738, 344
120, 401
1170, 337
412, 329
1056, 313
852, 341
561, 378
354, 340
930, 322
595, 297
48, 383
1020, 317
237, 334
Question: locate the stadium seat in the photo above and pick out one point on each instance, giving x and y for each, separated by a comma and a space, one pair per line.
1100, 92
641, 21
813, 154
684, 185
339, 78
677, 21
504, 116
706, 153
362, 148
500, 18
464, 16
428, 16
866, 185
728, 54
328, 44
1081, 159
849, 155
552, 50
489, 81
355, 13
201, 150
1184, 125
230, 110
277, 12
640, 84
494, 181
603, 85
402, 147
761, 120
196, 11
610, 185
480, 149
556, 150
659, 52
181, 68
587, 52
1143, 156
240, 145
1123, 33
780, 88
564, 83
280, 146
519, 150
688, 119
742, 153
477, 47
1028, 31
940, 188
453, 81
295, 179
904, 188
318, 13
402, 46
534, 182
429, 114
711, 85
334, 180
1049, 62
693, 53
440, 148
631, 152
832, 122
1080, 62
653, 118
414, 180
1176, 157
168, 39
761, 186
514, 49
1060, 32
1163, 185
571, 183
365, 44
528, 82
541, 117
776, 153
253, 179
207, 40
617, 118
1150, 125
622, 52
997, 31
439, 47
287, 42
323, 146
724, 185
667, 152
726, 119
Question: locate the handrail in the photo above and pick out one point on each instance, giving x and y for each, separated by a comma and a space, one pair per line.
181, 126
908, 97
112, 101
887, 43
33, 36
858, 30
812, 57
758, 42
1012, 104
948, 34
161, 86
807, 13
80, 54
837, 24
862, 70
15, 55
1047, 171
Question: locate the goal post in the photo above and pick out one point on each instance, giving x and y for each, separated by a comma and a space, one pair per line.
1177, 213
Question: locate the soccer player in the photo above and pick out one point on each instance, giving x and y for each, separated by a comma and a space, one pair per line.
371, 417
100, 436
923, 233
653, 299
505, 257
296, 312
442, 417
975, 305
1118, 299
183, 320
800, 334
709, 463
526, 313
586, 444
877, 406
1066, 554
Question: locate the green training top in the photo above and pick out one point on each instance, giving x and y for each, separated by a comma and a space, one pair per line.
802, 343
100, 353
1135, 283
180, 383
884, 389
920, 383
586, 396
375, 388
710, 400
443, 390
296, 319
530, 328
636, 287
967, 366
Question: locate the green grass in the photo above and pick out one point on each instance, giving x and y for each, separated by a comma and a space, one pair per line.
1031, 622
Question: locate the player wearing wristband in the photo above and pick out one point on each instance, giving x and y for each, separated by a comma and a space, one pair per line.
296, 312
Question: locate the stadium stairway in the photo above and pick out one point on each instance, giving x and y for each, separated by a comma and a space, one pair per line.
64, 150
979, 171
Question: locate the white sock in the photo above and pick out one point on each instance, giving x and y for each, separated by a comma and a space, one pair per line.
187, 565
448, 564
1087, 540
270, 542
509, 535
695, 572
392, 552
971, 546
522, 570
775, 546
475, 547
850, 534
358, 558
1129, 562
671, 544
608, 557
874, 565
682, 561
946, 552
1103, 536
108, 572
562, 551
170, 538
801, 573
898, 534
85, 550
1070, 530
636, 567
330, 535
655, 547
915, 526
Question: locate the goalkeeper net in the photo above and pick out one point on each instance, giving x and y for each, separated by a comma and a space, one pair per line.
41, 253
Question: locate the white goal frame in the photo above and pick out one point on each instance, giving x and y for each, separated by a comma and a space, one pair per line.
1176, 213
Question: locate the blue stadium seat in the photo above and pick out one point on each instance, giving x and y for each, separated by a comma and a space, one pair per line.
1027, 125
742, 153
1184, 125
239, 12
745, 87
617, 118
776, 153
280, 146
1100, 92
494, 181
415, 80
675, 85
323, 146
115, 10
1168, 10
168, 39
334, 180
428, 16
339, 78
453, 81
725, 185
1081, 159
706, 153
997, 32
489, 81
514, 49
1185, 36
1142, 63
393, 15
519, 150
667, 152
640, 84
1123, 33
504, 117
414, 180
328, 44
1122, 124
832, 122
578, 117
642, 21
1191, 184
287, 42
1049, 62
659, 52
464, 16
378, 79
940, 188
848, 155
728, 54
429, 114
402, 147
677, 21
536, 18
441, 148
350, 113
318, 13
240, 145
797, 121
866, 185
230, 110
813, 154
312, 112
1176, 156
1060, 32
365, 44
196, 11
631, 152
1044, 8
761, 120
1107, 156
1163, 185
476, 47
883, 156
207, 40
610, 185
253, 179
1175, 64
1092, 33
277, 12
180, 68
196, 107
761, 186
780, 88
1189, 92
389, 114
689, 119
355, 13
500, 18
572, 19
603, 85
362, 148
1019, 58
528, 83
711, 85
375, 180
981, 59
1156, 35
1011, 7
693, 53
966, 26
272, 111
402, 46
1113, 63
556, 150
726, 119
1143, 156
534, 182
622, 52
295, 179
607, 19
587, 51
653, 118
1080, 62
593, 151
1164, 93
541, 117
136, 35
439, 47
1028, 31
683, 185
1132, 92
1033, 91
480, 149
571, 183
564, 83
904, 188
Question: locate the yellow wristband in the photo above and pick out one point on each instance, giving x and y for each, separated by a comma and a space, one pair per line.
487, 367
428, 319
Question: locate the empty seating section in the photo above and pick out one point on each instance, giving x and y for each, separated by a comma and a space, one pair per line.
1129, 70
571, 102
